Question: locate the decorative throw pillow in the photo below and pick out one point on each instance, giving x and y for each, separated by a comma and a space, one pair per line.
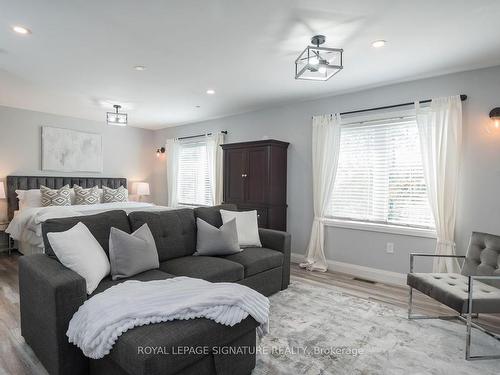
55, 197
131, 254
78, 250
87, 196
246, 226
114, 195
217, 241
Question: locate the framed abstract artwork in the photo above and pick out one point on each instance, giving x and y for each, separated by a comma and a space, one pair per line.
66, 150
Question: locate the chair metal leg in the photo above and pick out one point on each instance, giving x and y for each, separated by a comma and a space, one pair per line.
469, 324
468, 336
410, 302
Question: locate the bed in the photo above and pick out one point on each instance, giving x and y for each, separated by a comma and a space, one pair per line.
25, 223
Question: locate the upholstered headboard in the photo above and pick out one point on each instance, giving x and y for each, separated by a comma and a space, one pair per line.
33, 182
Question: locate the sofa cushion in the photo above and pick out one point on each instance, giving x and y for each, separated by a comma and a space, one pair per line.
150, 275
99, 225
174, 231
212, 215
208, 268
257, 259
451, 289
132, 351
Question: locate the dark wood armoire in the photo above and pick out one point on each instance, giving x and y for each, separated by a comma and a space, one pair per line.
255, 179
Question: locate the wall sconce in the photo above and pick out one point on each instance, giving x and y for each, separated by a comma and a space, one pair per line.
160, 151
495, 116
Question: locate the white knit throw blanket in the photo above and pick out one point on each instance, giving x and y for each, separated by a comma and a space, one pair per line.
99, 322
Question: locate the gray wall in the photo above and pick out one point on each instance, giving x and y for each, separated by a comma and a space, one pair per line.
127, 151
479, 206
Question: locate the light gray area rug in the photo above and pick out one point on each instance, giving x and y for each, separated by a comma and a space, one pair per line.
317, 329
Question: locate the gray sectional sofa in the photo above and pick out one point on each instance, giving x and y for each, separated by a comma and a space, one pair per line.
50, 294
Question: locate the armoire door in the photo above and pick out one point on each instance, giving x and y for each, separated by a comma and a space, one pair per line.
256, 177
234, 175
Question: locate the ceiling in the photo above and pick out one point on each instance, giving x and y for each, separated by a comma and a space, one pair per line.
80, 55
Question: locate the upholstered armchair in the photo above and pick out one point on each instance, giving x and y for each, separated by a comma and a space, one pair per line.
472, 291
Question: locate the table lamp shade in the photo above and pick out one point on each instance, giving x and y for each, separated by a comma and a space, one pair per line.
141, 188
2, 190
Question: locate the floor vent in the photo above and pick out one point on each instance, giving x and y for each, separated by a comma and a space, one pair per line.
364, 280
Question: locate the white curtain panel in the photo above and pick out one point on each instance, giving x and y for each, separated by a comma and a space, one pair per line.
325, 156
214, 156
440, 131
172, 148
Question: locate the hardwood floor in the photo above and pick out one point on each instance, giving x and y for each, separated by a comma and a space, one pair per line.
16, 357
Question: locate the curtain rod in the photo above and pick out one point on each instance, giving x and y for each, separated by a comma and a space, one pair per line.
200, 135
462, 98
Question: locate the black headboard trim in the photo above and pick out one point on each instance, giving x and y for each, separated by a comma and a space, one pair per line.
33, 182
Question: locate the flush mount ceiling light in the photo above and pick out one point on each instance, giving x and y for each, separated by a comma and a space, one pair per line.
210, 92
21, 30
317, 63
379, 43
116, 118
140, 68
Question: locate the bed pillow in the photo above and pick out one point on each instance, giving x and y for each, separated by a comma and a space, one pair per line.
87, 196
114, 195
78, 250
216, 241
29, 198
131, 254
246, 226
55, 197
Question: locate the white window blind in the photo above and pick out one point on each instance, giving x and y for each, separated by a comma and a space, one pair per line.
193, 182
380, 175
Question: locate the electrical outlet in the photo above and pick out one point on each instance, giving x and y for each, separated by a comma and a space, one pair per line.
389, 248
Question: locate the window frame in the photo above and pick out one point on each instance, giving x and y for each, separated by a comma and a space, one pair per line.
346, 223
182, 144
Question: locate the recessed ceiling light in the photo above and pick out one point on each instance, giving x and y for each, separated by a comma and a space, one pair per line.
140, 68
379, 43
21, 30
210, 92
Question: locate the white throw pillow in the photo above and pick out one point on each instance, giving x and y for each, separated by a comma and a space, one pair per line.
78, 250
246, 226
29, 198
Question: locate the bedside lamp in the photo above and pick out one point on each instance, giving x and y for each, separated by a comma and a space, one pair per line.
2, 190
141, 188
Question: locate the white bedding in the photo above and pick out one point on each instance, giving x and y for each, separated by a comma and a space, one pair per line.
26, 226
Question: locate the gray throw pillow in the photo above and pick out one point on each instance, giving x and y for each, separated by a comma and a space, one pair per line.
217, 241
55, 197
87, 196
114, 195
130, 254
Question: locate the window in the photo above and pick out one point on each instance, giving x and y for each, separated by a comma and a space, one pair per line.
380, 175
193, 181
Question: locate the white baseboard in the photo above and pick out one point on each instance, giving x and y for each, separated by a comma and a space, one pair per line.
368, 273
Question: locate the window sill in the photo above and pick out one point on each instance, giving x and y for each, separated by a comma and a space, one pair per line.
383, 228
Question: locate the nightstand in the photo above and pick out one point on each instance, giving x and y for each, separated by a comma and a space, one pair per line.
5, 240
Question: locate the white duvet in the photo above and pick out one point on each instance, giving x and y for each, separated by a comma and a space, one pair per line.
98, 323
26, 226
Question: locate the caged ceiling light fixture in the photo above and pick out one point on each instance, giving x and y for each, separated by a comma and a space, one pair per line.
317, 63
116, 118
